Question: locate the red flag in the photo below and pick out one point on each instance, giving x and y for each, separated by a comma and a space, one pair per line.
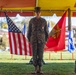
18, 43
56, 39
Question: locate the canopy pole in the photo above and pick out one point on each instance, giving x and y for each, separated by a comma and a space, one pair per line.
36, 3
69, 28
69, 19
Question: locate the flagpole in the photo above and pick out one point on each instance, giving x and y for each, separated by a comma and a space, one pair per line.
61, 56
49, 55
11, 56
25, 57
72, 56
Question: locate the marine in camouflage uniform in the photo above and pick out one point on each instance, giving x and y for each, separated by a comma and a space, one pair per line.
37, 35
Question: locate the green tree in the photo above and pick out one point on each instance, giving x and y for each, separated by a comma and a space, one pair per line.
4, 25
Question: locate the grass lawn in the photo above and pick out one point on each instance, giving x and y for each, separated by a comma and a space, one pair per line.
26, 69
18, 65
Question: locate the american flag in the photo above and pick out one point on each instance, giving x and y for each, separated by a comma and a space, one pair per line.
18, 42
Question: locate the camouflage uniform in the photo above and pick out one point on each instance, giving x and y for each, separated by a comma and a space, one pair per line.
37, 35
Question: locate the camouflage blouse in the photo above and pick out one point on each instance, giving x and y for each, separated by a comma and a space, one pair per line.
37, 30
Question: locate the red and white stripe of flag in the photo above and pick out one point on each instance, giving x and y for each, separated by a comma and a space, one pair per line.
19, 44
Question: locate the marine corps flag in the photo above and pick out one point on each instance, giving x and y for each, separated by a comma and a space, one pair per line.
56, 39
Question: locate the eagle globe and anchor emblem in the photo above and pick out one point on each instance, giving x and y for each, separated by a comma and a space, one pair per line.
55, 32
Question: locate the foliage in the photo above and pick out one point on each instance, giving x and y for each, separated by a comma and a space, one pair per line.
4, 25
3, 42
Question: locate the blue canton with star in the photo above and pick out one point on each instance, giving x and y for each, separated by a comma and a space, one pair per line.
11, 26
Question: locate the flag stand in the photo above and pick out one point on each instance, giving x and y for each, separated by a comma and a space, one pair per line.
31, 61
